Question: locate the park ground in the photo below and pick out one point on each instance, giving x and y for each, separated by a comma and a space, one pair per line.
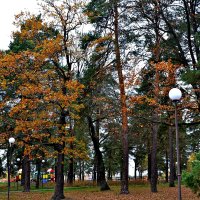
137, 192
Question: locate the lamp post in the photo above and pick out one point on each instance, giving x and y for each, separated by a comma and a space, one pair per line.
43, 161
175, 95
18, 167
11, 141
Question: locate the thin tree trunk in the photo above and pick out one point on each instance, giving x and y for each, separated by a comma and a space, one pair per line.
135, 173
38, 169
166, 167
154, 169
149, 165
59, 169
80, 170
59, 187
101, 179
27, 184
171, 158
95, 169
70, 175
83, 171
125, 155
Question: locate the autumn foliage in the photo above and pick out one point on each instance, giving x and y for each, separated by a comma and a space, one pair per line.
37, 90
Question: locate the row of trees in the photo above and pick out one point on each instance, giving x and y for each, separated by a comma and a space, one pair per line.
98, 73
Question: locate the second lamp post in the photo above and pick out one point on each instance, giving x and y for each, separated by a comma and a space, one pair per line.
11, 142
175, 95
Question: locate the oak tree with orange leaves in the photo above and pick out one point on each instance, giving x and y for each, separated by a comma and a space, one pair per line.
40, 94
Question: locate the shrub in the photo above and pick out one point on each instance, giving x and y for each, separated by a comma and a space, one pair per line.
191, 177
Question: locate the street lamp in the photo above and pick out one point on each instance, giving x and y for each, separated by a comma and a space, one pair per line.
43, 161
11, 141
175, 95
18, 167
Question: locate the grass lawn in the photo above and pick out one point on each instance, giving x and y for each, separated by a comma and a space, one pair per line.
137, 192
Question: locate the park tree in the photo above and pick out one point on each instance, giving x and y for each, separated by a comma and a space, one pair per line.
178, 41
107, 18
44, 93
67, 17
191, 175
168, 30
96, 99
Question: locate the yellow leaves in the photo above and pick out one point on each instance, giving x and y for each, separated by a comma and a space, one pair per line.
69, 139
3, 84
27, 150
37, 79
74, 85
151, 101
66, 100
99, 49
50, 48
192, 158
101, 40
138, 99
79, 150
54, 140
168, 69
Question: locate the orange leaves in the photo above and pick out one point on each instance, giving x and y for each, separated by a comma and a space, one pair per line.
79, 150
168, 71
66, 100
49, 48
164, 74
101, 40
138, 99
36, 88
143, 99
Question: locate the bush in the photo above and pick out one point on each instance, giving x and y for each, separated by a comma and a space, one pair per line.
191, 177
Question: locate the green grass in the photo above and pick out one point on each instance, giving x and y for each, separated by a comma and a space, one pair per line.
90, 192
46, 187
77, 186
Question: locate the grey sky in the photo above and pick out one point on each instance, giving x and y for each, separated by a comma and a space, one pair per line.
8, 10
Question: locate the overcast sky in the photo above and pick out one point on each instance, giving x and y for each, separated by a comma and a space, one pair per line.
8, 9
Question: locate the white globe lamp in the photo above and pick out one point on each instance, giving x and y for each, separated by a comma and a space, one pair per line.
175, 94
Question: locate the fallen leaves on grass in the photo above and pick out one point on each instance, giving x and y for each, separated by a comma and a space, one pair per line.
136, 193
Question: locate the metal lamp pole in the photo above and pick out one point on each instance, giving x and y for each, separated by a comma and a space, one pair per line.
43, 161
18, 165
175, 95
11, 141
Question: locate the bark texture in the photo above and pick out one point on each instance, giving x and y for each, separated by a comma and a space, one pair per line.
101, 179
125, 155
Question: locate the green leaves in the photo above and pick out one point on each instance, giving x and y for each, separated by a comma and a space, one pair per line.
191, 77
191, 178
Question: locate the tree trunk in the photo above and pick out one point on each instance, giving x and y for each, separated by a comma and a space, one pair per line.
23, 175
149, 165
135, 173
38, 169
171, 158
109, 172
95, 169
59, 187
80, 170
59, 169
70, 175
55, 169
154, 170
166, 167
101, 179
26, 168
125, 155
